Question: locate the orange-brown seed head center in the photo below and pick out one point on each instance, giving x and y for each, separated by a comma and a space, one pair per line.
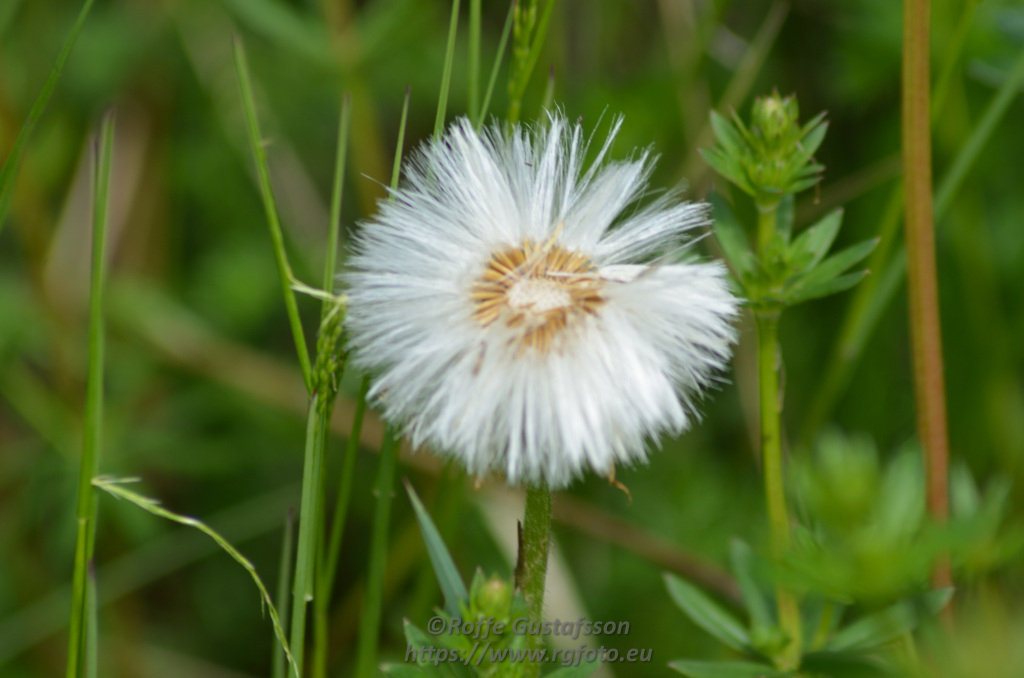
538, 289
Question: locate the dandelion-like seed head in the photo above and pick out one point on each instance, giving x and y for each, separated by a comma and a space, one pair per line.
538, 290
520, 313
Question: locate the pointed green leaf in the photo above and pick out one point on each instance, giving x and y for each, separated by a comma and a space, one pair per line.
731, 238
813, 138
835, 264
963, 493
875, 629
810, 246
824, 289
444, 566
901, 504
581, 670
697, 669
707, 614
727, 166
727, 135
742, 558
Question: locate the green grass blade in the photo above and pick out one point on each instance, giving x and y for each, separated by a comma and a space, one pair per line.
115, 487
10, 168
337, 192
446, 77
396, 167
302, 588
479, 119
474, 58
344, 494
279, 666
369, 625
92, 653
444, 567
86, 510
140, 567
329, 560
284, 269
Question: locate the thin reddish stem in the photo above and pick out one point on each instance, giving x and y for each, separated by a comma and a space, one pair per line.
922, 283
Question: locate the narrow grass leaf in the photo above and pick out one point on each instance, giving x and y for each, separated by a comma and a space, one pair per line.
86, 509
446, 77
707, 614
278, 665
337, 193
475, 20
10, 168
115, 487
479, 119
444, 566
284, 269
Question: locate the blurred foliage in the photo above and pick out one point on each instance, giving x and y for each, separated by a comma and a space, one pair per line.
205, 401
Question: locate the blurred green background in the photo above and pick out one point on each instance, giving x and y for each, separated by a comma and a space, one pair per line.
205, 402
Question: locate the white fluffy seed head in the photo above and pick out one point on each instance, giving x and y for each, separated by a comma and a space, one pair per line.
506, 302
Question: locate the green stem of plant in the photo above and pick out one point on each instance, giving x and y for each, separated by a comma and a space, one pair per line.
533, 560
329, 562
305, 560
766, 217
369, 625
922, 279
86, 509
771, 461
278, 661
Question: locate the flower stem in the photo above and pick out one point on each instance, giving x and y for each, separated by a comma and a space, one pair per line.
369, 624
771, 459
302, 588
533, 559
766, 216
922, 282
79, 621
